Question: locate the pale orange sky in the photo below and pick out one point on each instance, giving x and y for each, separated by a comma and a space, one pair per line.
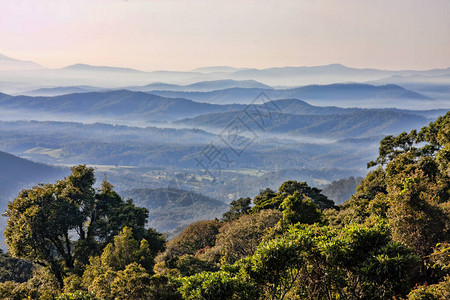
182, 35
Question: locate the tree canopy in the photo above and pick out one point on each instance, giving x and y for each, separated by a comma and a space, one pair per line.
61, 225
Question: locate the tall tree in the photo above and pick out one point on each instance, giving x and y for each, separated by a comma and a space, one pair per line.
268, 199
42, 221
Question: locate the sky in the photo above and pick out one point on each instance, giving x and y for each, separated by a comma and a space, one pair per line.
186, 34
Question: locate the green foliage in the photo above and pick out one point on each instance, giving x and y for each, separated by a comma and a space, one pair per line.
265, 200
16, 172
416, 219
297, 208
439, 291
43, 285
126, 250
410, 191
218, 285
73, 284
368, 200
268, 199
41, 219
413, 190
12, 290
188, 265
37, 227
241, 237
391, 146
238, 208
374, 184
12, 269
131, 283
178, 259
77, 296
165, 288
441, 256
277, 264
113, 213
315, 262
123, 265
193, 238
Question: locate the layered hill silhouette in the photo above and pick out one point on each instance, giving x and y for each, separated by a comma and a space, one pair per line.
124, 104
115, 103
196, 87
202, 86
29, 76
351, 92
63, 90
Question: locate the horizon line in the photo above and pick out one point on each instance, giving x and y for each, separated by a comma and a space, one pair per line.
222, 66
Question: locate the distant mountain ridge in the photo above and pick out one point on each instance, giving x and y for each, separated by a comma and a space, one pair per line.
200, 86
205, 85
12, 64
216, 69
434, 86
63, 90
30, 76
348, 92
123, 104
86, 67
239, 71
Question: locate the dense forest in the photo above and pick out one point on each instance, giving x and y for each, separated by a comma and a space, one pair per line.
390, 240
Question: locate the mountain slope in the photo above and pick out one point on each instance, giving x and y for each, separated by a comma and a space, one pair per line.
16, 173
362, 123
434, 86
125, 104
171, 207
12, 64
85, 67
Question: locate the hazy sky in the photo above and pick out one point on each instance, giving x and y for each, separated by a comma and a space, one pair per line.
175, 34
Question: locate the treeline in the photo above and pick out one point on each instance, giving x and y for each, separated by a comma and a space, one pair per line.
390, 240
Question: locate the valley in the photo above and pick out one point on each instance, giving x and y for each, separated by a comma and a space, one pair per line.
219, 133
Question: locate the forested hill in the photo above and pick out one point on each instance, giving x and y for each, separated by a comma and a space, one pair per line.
121, 103
363, 123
